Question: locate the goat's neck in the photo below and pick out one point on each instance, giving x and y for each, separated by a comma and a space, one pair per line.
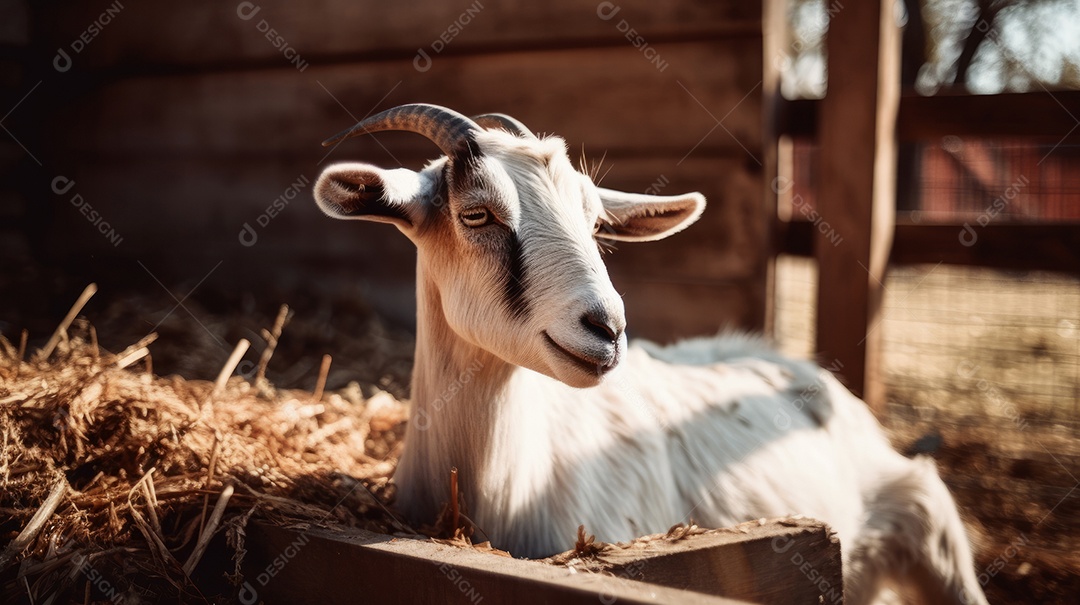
459, 393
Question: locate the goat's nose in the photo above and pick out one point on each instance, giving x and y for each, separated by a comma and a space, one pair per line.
603, 325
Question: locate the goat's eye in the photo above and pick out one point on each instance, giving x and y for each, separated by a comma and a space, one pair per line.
475, 217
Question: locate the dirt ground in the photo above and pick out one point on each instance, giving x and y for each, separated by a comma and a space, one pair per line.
1017, 492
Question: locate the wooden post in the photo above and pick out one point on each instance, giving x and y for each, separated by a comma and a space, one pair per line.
775, 49
856, 198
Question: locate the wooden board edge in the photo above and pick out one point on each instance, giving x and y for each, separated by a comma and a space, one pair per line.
317, 565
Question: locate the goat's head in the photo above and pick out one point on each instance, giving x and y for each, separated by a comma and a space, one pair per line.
506, 233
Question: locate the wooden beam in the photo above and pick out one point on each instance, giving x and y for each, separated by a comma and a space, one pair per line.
1046, 115
319, 32
1053, 115
797, 118
1022, 247
787, 561
1048, 247
225, 115
857, 188
768, 564
793, 237
775, 37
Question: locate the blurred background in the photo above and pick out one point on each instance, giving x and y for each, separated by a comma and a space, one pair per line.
894, 189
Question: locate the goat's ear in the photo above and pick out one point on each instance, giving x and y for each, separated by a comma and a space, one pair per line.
634, 217
364, 192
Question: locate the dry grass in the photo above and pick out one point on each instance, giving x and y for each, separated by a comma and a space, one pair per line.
108, 471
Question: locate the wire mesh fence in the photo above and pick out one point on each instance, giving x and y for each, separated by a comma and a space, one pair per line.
971, 179
982, 369
982, 366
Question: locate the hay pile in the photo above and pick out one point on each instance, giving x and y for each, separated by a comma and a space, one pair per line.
113, 481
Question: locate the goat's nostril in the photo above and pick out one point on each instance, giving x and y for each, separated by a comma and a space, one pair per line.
601, 325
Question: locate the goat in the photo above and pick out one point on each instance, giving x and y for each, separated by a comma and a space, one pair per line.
524, 380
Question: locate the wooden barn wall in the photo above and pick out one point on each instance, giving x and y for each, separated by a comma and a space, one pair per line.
181, 122
15, 226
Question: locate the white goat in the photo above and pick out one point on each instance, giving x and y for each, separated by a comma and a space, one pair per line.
524, 381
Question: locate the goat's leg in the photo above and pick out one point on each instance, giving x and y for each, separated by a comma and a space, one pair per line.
913, 534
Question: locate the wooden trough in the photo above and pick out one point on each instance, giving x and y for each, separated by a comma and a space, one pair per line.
786, 561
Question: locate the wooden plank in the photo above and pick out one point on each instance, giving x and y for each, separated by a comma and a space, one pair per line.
857, 188
1030, 114
204, 203
791, 561
1023, 247
321, 566
163, 34
15, 23
665, 310
621, 102
1050, 116
1038, 247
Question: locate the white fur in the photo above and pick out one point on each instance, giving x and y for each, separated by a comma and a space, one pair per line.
718, 430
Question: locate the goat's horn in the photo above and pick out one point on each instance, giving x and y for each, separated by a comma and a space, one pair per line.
445, 127
507, 123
